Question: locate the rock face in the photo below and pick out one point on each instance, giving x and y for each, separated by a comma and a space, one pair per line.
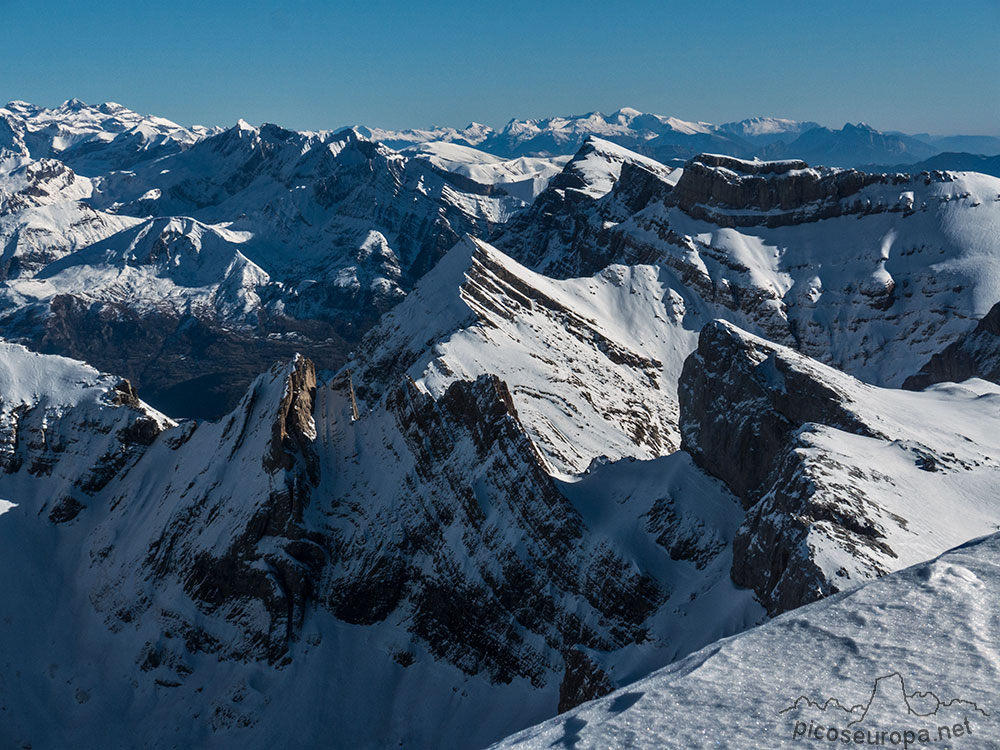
567, 231
975, 355
64, 422
584, 681
807, 449
741, 402
473, 552
732, 192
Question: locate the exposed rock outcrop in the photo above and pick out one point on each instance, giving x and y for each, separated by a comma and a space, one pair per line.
736, 193
583, 681
804, 446
39, 426
975, 355
569, 230
742, 399
294, 429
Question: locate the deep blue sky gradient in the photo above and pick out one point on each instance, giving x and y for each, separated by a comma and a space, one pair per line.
917, 66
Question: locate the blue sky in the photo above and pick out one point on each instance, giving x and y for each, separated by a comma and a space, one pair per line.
917, 66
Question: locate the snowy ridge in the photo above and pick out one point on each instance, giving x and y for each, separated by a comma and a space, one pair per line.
589, 361
68, 427
93, 138
667, 138
523, 177
929, 625
555, 136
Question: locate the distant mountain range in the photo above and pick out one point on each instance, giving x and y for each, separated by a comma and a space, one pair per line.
668, 138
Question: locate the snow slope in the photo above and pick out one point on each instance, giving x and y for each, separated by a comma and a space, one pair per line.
592, 363
913, 651
524, 177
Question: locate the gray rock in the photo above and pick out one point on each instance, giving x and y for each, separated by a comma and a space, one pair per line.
975, 355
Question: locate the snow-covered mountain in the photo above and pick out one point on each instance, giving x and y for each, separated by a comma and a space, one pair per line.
220, 564
670, 138
762, 131
524, 177
105, 215
656, 135
538, 426
215, 563
852, 146
234, 248
873, 274
843, 481
92, 139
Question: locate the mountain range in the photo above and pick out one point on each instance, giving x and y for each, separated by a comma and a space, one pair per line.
418, 438
669, 138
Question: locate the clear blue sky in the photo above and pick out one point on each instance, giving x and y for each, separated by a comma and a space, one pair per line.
916, 66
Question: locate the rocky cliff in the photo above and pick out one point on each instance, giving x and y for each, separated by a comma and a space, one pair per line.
840, 480
974, 355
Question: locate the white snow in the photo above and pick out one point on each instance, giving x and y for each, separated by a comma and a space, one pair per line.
930, 630
523, 177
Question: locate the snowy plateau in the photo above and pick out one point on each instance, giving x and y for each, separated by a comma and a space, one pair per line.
610, 431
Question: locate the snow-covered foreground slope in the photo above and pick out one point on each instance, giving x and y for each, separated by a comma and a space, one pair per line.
907, 661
